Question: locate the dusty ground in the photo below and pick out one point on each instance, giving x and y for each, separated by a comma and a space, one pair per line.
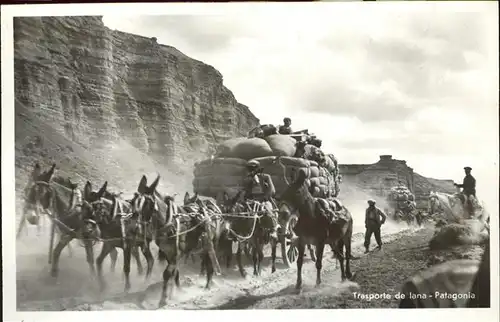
404, 253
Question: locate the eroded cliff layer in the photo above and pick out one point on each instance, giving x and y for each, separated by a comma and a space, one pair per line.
378, 178
95, 85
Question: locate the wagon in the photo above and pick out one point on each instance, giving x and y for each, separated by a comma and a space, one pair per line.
397, 205
213, 177
288, 248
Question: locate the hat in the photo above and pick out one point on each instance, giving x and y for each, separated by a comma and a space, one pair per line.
467, 168
371, 202
253, 164
287, 119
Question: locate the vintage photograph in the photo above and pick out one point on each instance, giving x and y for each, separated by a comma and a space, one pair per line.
338, 156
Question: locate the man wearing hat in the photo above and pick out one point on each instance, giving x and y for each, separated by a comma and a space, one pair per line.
286, 129
259, 186
374, 218
468, 188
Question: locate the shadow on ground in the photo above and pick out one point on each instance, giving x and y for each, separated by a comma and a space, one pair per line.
249, 300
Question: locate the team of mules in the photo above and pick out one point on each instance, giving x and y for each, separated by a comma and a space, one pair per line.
198, 227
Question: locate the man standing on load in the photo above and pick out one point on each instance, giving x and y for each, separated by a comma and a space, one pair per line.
468, 189
286, 129
259, 186
374, 218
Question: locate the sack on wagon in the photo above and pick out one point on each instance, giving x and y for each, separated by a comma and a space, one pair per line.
281, 145
225, 149
220, 170
295, 162
330, 164
251, 148
314, 172
268, 129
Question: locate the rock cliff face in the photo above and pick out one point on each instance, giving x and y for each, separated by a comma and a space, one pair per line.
107, 105
94, 85
378, 178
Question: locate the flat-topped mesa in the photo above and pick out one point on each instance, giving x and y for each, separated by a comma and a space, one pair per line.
386, 157
96, 85
379, 177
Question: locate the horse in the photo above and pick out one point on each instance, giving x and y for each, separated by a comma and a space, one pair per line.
320, 221
256, 220
118, 224
453, 209
433, 205
284, 214
176, 234
73, 221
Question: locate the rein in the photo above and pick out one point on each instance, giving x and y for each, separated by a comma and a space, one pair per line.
255, 218
257, 213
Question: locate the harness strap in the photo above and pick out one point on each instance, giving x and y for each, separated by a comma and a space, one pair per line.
177, 230
122, 227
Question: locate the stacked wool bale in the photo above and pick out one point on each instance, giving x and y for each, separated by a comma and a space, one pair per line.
331, 164
401, 194
215, 175
250, 148
227, 171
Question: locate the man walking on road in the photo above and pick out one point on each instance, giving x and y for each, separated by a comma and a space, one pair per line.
374, 218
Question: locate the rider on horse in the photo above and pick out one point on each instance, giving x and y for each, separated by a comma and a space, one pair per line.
259, 186
468, 189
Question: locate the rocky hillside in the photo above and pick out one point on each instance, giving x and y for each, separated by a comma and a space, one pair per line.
83, 89
377, 179
107, 105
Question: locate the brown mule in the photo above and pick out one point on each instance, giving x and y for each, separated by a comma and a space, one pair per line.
320, 222
249, 231
112, 223
176, 234
72, 222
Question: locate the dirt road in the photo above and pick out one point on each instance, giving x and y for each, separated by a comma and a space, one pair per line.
378, 272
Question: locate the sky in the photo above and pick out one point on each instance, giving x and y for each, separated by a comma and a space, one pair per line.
416, 80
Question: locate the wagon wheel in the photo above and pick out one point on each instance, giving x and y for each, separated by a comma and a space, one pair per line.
289, 251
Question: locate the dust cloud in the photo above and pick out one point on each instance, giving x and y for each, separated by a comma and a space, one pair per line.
355, 200
122, 165
127, 164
